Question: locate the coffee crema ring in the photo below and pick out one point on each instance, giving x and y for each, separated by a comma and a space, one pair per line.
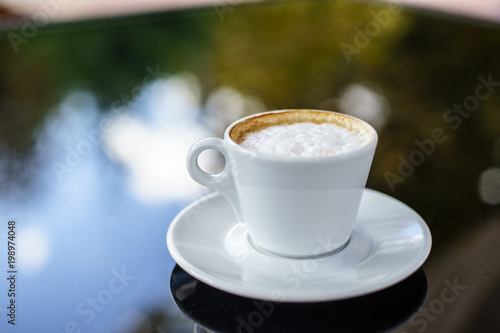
259, 122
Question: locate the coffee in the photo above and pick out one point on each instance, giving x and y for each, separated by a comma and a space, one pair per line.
301, 133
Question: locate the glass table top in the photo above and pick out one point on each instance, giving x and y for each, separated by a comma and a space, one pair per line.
97, 117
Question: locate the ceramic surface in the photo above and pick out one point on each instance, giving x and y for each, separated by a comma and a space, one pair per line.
275, 196
390, 241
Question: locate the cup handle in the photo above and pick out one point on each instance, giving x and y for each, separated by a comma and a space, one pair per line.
222, 182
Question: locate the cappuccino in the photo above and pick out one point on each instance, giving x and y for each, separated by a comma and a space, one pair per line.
300, 133
289, 202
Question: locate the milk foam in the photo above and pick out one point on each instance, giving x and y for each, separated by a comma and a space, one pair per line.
304, 139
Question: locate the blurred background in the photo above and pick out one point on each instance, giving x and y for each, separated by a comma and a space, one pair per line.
99, 102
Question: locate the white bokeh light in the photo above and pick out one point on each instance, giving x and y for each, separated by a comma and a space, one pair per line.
152, 144
34, 248
489, 186
362, 101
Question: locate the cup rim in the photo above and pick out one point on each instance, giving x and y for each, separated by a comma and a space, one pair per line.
366, 147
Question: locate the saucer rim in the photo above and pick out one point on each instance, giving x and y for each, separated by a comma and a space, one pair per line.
191, 269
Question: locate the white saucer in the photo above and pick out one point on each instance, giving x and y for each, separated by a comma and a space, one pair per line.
389, 243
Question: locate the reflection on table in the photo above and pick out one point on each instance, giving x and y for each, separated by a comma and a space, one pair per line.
219, 311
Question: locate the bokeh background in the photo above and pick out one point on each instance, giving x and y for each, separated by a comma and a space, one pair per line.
96, 116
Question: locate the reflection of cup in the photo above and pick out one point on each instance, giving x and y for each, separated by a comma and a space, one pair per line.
293, 206
218, 311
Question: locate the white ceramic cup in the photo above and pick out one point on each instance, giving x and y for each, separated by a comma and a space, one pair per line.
296, 207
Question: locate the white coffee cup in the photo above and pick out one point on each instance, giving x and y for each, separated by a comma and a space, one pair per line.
296, 207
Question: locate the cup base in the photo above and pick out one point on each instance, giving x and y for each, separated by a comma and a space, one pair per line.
279, 255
